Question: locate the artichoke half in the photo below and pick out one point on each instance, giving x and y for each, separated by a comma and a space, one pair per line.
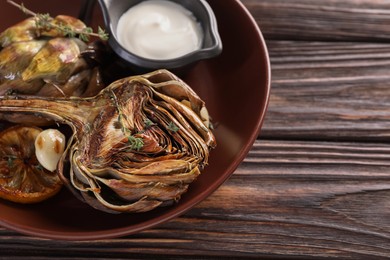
135, 146
43, 62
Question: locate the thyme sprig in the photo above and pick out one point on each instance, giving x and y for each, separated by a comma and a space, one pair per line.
45, 21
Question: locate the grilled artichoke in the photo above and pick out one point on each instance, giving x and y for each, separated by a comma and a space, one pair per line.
135, 146
41, 61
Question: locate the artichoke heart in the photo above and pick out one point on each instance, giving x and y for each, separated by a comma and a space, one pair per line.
135, 146
56, 61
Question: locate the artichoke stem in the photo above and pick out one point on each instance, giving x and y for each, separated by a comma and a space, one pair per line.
65, 111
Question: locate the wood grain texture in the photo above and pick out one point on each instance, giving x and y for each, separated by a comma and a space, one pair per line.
316, 183
288, 198
328, 20
329, 91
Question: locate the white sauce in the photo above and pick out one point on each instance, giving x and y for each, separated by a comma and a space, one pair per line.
159, 30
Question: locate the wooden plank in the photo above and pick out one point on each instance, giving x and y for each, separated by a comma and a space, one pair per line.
288, 198
329, 91
328, 20
296, 198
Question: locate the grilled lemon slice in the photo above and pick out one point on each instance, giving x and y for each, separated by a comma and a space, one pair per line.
22, 178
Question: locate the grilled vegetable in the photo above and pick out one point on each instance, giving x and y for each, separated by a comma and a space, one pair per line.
22, 178
40, 60
135, 146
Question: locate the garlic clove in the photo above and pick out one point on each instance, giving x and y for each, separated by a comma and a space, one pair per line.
49, 146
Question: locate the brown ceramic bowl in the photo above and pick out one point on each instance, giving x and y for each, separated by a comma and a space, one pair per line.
235, 86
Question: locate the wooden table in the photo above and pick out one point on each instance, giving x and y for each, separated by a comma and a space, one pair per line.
317, 181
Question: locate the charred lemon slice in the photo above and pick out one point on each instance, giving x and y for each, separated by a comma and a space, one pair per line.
22, 178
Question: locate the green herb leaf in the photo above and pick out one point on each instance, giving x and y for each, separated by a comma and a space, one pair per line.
83, 37
102, 34
136, 143
172, 127
148, 123
68, 32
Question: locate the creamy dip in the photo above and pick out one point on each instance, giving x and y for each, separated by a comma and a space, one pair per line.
158, 30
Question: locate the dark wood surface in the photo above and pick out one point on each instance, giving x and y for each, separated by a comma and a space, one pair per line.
316, 183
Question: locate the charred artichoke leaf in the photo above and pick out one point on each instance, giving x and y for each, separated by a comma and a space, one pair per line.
135, 146
135, 191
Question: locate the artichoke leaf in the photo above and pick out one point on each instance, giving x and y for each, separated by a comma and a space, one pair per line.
142, 205
171, 179
21, 32
16, 57
161, 168
135, 191
56, 61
